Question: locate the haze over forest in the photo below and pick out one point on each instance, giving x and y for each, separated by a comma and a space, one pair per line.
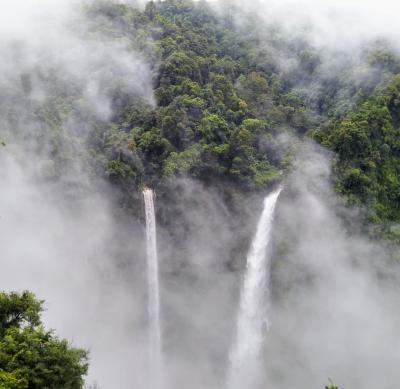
199, 194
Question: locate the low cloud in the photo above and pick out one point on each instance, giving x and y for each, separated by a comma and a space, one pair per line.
335, 291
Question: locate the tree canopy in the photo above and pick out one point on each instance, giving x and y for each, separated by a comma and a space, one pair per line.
30, 356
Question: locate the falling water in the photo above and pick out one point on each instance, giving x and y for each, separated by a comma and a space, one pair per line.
252, 321
153, 291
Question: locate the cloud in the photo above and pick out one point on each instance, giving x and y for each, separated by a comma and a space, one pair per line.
47, 37
71, 252
335, 290
62, 238
339, 24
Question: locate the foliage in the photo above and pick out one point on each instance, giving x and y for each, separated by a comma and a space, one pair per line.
368, 148
222, 101
30, 356
212, 108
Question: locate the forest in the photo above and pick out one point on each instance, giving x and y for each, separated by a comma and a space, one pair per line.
212, 107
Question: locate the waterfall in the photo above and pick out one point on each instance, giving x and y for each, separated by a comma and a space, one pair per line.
252, 321
155, 345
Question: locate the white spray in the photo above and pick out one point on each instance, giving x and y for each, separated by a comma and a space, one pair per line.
252, 321
155, 344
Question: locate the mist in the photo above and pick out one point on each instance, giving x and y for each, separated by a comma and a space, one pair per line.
337, 316
61, 235
339, 25
66, 252
64, 235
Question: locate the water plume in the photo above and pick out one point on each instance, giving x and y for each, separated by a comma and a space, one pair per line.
252, 321
155, 344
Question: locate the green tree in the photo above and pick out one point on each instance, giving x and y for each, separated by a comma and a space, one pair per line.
12, 381
214, 129
331, 386
30, 356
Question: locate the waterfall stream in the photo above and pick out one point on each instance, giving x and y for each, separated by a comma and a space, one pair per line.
155, 345
252, 320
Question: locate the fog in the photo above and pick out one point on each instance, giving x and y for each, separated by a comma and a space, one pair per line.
334, 292
62, 238
67, 253
340, 24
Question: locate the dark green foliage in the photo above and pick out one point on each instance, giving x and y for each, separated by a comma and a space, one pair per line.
222, 102
119, 170
208, 102
368, 148
30, 356
18, 310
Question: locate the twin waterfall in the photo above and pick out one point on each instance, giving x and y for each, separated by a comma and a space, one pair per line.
252, 320
155, 346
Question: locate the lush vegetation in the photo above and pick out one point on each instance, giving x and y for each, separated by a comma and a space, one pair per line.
214, 116
223, 102
366, 142
30, 356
